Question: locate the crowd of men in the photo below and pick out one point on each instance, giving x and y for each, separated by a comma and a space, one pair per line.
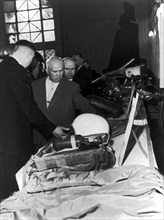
35, 101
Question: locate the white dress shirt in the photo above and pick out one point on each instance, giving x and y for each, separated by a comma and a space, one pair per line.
50, 89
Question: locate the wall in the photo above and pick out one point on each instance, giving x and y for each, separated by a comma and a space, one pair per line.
89, 27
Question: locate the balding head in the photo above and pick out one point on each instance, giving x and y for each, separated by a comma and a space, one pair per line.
55, 68
69, 67
24, 52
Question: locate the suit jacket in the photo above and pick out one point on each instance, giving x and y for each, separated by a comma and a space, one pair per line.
19, 112
65, 104
84, 78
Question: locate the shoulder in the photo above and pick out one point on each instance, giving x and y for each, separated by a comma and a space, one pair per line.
15, 71
80, 82
70, 85
68, 82
74, 85
11, 64
84, 69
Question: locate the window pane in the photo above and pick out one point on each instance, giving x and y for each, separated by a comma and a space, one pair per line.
25, 37
9, 17
45, 3
23, 27
29, 25
41, 52
48, 24
36, 37
34, 15
35, 26
47, 13
49, 36
49, 53
8, 6
32, 4
10, 28
12, 39
21, 5
22, 16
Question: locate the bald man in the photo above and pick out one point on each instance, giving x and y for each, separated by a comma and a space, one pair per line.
18, 115
59, 99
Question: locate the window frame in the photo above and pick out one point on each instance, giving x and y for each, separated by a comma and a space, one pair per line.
45, 45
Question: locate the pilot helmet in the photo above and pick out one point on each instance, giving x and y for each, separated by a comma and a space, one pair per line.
89, 124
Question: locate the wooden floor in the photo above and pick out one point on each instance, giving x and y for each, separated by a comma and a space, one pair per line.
158, 144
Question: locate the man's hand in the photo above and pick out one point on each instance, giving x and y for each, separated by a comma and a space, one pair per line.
60, 131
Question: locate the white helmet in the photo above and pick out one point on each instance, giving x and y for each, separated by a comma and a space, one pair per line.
89, 124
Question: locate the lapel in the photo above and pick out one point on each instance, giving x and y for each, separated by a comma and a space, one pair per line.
57, 94
79, 70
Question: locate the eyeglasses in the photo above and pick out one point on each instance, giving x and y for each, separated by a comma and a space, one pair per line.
69, 68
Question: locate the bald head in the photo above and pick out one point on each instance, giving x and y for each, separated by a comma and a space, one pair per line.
23, 52
55, 68
69, 67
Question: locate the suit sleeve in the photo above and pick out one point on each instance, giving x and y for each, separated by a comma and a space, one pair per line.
20, 88
81, 103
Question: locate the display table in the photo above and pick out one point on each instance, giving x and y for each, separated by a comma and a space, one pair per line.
133, 189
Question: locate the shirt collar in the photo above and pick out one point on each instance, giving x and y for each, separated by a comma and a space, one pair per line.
50, 83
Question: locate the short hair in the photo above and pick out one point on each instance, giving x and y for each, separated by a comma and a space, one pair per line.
54, 59
78, 54
68, 58
25, 43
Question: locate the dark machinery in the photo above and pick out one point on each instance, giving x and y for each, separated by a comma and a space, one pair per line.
77, 153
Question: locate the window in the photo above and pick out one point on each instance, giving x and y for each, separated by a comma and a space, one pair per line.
47, 53
32, 20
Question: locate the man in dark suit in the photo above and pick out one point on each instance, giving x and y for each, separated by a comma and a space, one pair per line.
66, 101
82, 76
18, 115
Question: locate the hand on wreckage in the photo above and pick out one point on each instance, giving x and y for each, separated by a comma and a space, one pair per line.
60, 131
